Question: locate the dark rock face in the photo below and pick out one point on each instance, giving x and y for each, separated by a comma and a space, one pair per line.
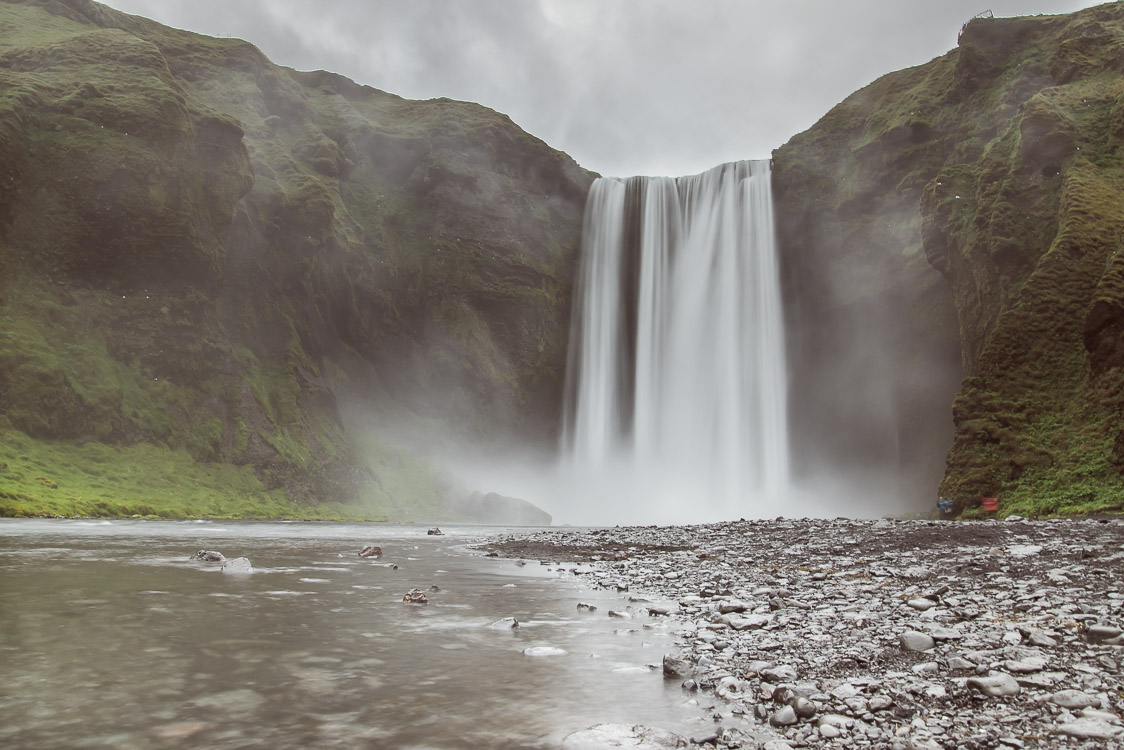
227, 248
998, 161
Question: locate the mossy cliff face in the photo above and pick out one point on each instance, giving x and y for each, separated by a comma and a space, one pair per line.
204, 251
1002, 160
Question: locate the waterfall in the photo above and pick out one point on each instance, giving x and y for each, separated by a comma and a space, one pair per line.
675, 405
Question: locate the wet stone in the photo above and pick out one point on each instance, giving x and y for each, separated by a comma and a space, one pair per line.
676, 668
238, 566
784, 717
415, 596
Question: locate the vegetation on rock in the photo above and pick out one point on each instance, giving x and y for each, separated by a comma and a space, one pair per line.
203, 255
230, 288
1010, 146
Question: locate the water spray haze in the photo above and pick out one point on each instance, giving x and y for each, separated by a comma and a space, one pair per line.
675, 405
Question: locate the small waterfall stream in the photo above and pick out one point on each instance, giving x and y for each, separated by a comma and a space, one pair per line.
675, 392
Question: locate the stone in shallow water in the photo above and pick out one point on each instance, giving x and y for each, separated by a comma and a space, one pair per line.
1073, 699
637, 736
544, 651
676, 668
415, 596
238, 566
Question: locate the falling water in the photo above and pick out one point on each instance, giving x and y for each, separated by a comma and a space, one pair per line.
675, 393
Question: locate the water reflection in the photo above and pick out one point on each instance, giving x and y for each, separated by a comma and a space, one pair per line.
111, 637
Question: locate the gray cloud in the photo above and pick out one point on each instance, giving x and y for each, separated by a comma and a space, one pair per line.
624, 86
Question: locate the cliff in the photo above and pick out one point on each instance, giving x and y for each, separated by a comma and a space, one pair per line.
231, 287
964, 216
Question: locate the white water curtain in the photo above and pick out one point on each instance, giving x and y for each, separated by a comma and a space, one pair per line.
676, 382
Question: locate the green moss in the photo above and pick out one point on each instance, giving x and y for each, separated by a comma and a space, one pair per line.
97, 479
190, 234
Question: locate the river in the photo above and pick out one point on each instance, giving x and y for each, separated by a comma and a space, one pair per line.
111, 637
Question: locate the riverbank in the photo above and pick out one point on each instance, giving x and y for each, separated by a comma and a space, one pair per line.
904, 634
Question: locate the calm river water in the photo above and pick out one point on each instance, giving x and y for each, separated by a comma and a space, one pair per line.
110, 637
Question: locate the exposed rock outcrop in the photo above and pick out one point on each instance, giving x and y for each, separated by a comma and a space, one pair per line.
1000, 161
205, 251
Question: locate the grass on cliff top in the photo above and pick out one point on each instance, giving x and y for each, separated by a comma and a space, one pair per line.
49, 478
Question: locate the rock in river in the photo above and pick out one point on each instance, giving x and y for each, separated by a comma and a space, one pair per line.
207, 555
371, 550
415, 596
676, 668
239, 565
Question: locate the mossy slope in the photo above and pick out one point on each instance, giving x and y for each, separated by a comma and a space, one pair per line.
203, 252
1001, 159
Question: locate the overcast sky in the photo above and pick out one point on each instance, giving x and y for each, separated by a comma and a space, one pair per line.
624, 86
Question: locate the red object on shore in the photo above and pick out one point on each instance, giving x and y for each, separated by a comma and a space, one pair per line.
990, 503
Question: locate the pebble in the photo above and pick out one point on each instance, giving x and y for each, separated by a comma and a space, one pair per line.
676, 668
878, 634
1090, 729
915, 641
996, 685
1073, 699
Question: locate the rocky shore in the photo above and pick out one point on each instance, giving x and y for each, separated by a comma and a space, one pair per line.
880, 634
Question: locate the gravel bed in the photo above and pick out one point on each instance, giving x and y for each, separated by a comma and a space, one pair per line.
880, 634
